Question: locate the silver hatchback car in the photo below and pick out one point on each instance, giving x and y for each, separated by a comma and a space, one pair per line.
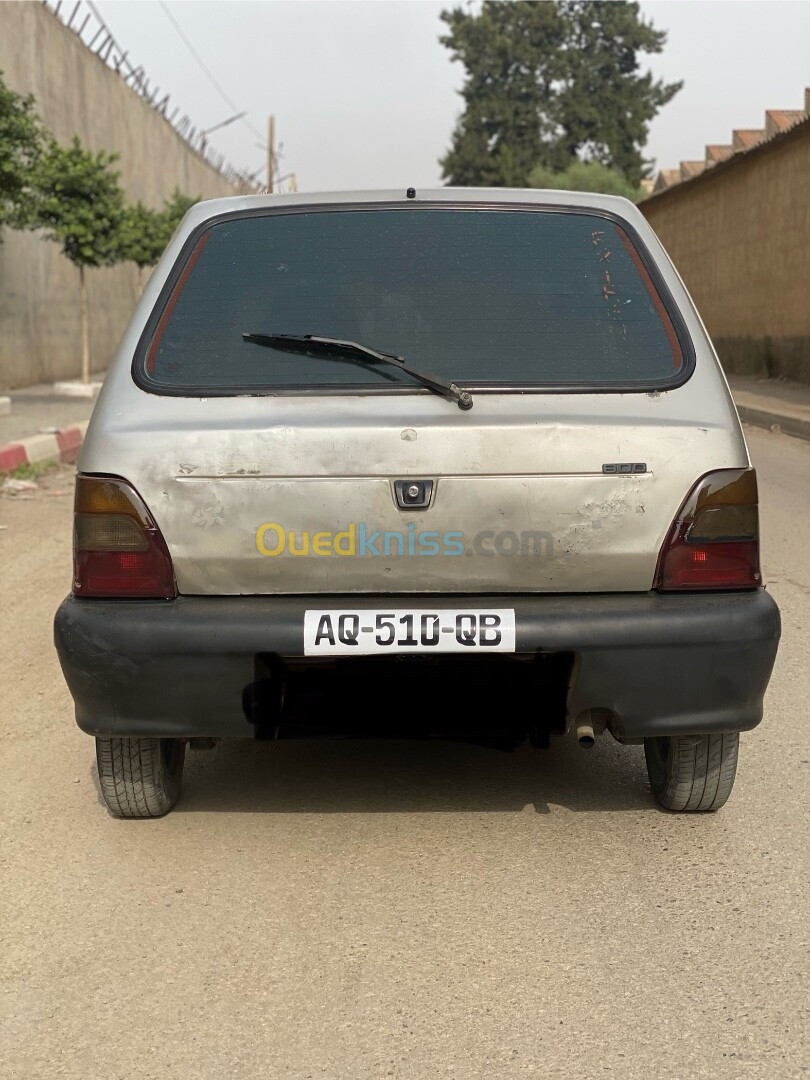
455, 463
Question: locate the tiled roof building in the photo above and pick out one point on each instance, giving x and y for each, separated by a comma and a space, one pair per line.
777, 121
737, 225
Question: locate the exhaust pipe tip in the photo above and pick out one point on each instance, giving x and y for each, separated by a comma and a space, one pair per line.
588, 727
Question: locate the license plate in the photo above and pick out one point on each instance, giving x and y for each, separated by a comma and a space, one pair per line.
340, 632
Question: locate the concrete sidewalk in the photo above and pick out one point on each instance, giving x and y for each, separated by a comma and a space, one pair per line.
773, 403
36, 410
38, 414
42, 426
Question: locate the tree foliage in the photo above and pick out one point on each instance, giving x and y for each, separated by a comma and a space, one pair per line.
549, 83
585, 176
79, 203
142, 235
20, 146
73, 196
175, 209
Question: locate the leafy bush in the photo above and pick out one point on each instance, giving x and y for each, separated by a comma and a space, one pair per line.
585, 176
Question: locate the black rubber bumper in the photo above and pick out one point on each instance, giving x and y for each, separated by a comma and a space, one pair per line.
663, 665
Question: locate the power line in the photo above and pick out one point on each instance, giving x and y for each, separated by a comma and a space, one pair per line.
206, 71
97, 36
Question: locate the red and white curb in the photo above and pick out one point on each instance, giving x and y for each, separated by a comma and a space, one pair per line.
62, 445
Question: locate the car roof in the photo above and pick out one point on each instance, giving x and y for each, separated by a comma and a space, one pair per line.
587, 200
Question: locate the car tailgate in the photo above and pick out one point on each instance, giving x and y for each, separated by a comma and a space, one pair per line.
531, 493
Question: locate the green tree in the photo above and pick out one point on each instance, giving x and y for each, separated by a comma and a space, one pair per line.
80, 205
144, 233
142, 237
585, 176
20, 147
607, 103
548, 83
175, 209
512, 52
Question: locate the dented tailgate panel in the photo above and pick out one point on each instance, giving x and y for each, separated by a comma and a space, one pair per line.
519, 504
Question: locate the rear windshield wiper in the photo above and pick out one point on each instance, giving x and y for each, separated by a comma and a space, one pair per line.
336, 349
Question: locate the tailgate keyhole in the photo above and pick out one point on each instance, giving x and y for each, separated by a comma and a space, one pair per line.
413, 494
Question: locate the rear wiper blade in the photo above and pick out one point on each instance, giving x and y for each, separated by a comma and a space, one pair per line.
335, 348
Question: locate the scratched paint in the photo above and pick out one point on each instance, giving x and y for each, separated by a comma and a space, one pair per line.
609, 289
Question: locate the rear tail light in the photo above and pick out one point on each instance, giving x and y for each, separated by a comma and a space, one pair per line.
118, 549
714, 540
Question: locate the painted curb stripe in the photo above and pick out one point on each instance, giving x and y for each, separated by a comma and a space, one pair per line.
61, 445
69, 440
11, 456
41, 448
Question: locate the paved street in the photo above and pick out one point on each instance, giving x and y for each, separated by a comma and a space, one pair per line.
354, 911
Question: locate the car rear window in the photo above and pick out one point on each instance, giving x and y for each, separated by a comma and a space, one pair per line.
488, 298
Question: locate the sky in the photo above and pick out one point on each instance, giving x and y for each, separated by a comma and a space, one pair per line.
366, 97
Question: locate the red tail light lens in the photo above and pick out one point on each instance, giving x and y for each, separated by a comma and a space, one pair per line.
118, 550
714, 540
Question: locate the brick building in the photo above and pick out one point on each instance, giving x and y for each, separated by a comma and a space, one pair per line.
737, 225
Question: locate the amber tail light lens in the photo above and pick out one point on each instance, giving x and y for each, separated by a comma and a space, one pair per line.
714, 540
118, 550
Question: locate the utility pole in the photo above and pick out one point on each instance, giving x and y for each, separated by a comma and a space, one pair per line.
271, 151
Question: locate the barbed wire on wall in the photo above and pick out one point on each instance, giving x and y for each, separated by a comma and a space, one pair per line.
84, 19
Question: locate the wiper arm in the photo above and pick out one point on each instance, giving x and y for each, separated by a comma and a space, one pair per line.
335, 348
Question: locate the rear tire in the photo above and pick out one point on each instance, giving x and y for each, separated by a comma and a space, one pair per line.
140, 778
693, 773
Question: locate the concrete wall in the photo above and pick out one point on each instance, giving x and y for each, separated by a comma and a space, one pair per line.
76, 94
739, 235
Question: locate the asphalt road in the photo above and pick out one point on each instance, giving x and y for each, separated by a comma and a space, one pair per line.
367, 910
